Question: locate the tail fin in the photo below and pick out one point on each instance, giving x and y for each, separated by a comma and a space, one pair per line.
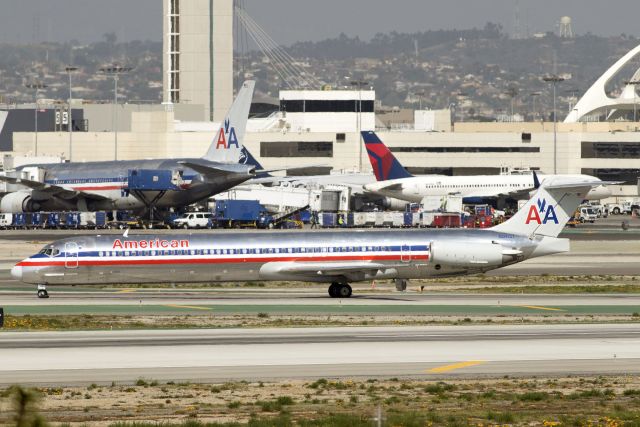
385, 165
548, 210
227, 145
246, 158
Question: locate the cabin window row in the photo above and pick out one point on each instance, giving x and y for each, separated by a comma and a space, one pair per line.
83, 181
258, 251
475, 185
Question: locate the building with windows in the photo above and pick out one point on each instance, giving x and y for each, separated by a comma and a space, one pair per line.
198, 54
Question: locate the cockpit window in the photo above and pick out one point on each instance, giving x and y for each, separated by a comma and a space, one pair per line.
50, 252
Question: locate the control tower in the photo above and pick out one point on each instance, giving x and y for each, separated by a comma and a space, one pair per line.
198, 54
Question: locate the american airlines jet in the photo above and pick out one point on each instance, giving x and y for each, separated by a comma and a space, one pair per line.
336, 258
95, 186
395, 181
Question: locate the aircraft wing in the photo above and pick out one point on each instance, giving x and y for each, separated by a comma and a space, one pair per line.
52, 190
391, 187
326, 268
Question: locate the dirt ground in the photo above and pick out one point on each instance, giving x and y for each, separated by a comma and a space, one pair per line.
593, 401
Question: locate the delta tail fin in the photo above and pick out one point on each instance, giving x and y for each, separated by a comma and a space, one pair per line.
385, 165
226, 146
549, 209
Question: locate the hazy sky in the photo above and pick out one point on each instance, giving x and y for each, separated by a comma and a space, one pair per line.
288, 21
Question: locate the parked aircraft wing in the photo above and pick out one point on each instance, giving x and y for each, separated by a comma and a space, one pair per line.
212, 172
52, 190
391, 187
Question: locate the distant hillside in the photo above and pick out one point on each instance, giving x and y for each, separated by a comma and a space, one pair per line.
481, 73
21, 64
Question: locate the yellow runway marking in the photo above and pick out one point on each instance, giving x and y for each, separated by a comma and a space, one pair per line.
193, 307
537, 307
455, 366
125, 291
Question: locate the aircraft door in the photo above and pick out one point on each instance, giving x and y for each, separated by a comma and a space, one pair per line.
405, 253
71, 255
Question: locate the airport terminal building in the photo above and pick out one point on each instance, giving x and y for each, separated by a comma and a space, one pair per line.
315, 127
330, 138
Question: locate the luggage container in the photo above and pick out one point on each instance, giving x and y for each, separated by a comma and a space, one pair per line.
101, 219
328, 219
6, 220
447, 221
52, 220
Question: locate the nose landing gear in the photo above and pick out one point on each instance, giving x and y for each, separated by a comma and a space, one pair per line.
42, 291
340, 290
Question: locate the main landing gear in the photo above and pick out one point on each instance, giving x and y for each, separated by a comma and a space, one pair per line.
42, 291
340, 290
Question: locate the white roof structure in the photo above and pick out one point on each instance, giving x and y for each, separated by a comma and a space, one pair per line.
596, 100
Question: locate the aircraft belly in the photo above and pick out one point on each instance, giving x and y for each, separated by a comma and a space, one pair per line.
135, 274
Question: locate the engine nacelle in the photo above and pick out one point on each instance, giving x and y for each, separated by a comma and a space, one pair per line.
394, 204
467, 254
18, 203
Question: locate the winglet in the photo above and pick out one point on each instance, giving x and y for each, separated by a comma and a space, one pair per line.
536, 181
126, 233
246, 158
385, 165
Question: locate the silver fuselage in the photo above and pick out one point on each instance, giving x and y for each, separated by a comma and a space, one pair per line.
342, 256
109, 180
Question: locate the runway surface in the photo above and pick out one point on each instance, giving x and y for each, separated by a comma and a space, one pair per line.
315, 302
269, 354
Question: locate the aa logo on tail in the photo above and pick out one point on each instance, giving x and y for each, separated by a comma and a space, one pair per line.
541, 213
227, 137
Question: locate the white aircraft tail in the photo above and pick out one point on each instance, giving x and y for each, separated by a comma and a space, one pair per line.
549, 209
227, 145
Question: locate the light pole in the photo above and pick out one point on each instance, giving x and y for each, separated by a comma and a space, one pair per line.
359, 83
36, 86
635, 104
533, 97
512, 92
420, 96
115, 71
554, 80
69, 70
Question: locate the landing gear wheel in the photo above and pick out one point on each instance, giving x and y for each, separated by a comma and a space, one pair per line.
43, 294
344, 291
333, 290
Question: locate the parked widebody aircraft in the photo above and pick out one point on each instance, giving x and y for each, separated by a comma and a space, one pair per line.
106, 185
395, 181
337, 258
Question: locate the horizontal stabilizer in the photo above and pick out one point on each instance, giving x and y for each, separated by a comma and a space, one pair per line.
550, 208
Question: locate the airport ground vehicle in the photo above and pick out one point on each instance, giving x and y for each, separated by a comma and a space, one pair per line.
337, 257
587, 214
241, 214
193, 220
625, 207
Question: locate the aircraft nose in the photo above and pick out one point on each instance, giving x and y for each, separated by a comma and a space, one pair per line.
16, 272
